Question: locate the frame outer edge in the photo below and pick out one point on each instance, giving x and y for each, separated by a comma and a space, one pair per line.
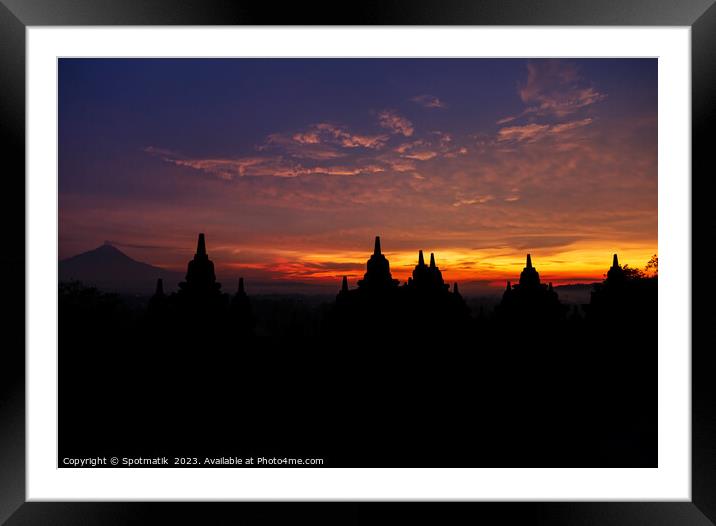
703, 408
12, 263
385, 12
12, 140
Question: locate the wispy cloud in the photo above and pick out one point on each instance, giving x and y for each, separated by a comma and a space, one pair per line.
533, 131
327, 148
568, 126
421, 155
390, 120
399, 164
351, 140
527, 132
419, 150
444, 139
229, 169
306, 138
300, 146
554, 89
322, 141
474, 200
298, 170
507, 119
438, 144
428, 101
220, 167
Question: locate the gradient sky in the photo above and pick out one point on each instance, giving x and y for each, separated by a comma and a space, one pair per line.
292, 166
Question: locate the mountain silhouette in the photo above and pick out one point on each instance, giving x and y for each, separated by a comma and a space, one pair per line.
110, 269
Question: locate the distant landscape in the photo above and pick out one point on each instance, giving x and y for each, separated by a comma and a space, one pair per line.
111, 270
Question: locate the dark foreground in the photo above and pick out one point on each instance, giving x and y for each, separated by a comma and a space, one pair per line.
399, 391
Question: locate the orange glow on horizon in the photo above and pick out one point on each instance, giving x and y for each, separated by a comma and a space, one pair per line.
493, 267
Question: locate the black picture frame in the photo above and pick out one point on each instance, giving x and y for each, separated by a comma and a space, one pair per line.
15, 15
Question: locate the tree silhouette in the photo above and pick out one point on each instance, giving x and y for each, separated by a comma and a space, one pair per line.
632, 273
652, 266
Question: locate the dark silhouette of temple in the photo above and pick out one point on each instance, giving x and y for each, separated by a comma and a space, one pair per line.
615, 274
158, 302
623, 297
200, 276
611, 297
429, 299
384, 308
389, 375
343, 299
199, 302
241, 313
377, 277
373, 306
530, 301
427, 278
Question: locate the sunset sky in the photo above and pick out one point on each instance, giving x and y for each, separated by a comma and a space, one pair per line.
292, 166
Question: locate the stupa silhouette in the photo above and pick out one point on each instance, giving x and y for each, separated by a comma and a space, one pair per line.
158, 302
615, 274
425, 302
530, 301
241, 314
199, 299
427, 278
622, 299
529, 278
377, 277
200, 276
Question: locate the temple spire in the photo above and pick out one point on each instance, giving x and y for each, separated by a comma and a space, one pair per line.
509, 286
454, 289
529, 276
378, 270
344, 285
201, 246
241, 286
200, 276
421, 259
160, 287
615, 274
432, 260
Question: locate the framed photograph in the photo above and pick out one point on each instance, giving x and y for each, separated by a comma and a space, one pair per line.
411, 255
